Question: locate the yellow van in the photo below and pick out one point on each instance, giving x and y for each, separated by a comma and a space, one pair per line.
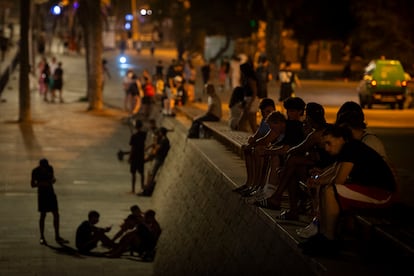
384, 82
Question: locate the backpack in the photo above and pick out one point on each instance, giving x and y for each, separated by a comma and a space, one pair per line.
149, 90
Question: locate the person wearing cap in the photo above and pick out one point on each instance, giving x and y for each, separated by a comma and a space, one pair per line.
43, 179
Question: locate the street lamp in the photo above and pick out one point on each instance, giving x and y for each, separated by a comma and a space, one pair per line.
56, 10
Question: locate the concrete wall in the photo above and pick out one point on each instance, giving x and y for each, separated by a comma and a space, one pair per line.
207, 228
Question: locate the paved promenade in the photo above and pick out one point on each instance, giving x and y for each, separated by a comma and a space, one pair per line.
82, 148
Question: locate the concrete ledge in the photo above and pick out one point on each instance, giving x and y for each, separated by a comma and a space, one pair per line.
234, 140
209, 230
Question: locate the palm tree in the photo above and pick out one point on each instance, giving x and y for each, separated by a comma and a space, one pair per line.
90, 18
24, 91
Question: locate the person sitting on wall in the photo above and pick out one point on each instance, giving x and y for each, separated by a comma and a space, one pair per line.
213, 113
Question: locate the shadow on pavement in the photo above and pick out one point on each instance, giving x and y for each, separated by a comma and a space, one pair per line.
66, 250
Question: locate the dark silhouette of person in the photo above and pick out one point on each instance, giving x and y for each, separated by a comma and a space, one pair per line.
88, 235
137, 154
161, 150
43, 179
4, 41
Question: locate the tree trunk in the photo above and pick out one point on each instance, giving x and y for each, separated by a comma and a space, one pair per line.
274, 46
24, 91
304, 56
91, 21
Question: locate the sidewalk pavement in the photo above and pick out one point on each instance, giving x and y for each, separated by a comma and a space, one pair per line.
82, 148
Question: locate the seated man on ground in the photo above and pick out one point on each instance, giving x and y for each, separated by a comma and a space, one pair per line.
266, 107
142, 239
88, 235
130, 222
364, 181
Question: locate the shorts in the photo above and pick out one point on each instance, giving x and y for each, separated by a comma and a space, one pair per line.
254, 106
57, 84
354, 196
47, 201
286, 91
136, 166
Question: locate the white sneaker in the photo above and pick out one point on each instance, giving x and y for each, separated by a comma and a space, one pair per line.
311, 230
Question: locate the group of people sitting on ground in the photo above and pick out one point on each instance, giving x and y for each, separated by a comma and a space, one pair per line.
326, 169
138, 233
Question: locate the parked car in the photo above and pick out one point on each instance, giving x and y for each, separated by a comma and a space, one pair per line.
384, 82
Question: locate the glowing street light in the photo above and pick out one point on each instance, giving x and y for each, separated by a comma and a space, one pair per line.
144, 12
122, 60
56, 10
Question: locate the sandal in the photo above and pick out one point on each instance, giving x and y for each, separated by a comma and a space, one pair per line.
288, 215
266, 204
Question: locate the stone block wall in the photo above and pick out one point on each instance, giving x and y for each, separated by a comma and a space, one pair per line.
208, 229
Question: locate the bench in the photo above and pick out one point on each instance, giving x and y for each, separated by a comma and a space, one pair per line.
232, 139
218, 130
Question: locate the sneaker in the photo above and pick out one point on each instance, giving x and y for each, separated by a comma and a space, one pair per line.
311, 230
43, 241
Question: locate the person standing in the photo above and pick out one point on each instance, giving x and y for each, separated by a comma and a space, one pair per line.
263, 77
44, 69
190, 78
161, 150
288, 80
126, 83
105, 71
234, 72
249, 84
57, 82
3, 45
52, 67
43, 179
236, 107
137, 154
